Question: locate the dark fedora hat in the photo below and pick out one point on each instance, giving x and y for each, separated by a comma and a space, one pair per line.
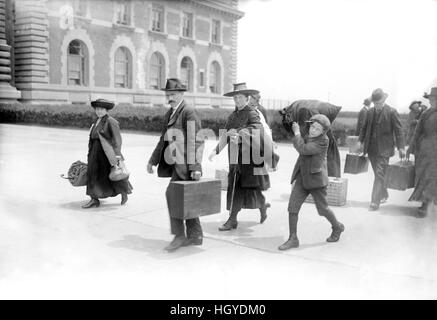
432, 93
378, 95
102, 103
241, 88
174, 84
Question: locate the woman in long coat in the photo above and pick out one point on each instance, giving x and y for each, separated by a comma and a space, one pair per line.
105, 133
423, 146
246, 179
416, 110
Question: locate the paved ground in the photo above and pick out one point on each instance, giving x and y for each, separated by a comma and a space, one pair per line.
51, 248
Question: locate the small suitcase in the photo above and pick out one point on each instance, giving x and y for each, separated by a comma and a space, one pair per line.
222, 175
336, 192
400, 175
192, 199
356, 164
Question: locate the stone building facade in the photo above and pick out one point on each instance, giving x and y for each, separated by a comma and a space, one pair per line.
74, 51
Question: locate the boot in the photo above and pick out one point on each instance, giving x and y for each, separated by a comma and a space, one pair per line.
123, 198
336, 232
422, 211
293, 241
229, 225
263, 212
177, 242
91, 204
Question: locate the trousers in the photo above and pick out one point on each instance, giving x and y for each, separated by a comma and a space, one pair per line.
379, 166
193, 227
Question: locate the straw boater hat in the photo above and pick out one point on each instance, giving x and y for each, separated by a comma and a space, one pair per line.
378, 95
174, 84
432, 93
102, 103
241, 88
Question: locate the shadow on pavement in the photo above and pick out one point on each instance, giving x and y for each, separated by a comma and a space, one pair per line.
243, 229
396, 210
154, 247
357, 204
77, 205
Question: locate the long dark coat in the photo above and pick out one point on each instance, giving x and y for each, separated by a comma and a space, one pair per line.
100, 162
388, 131
423, 146
248, 185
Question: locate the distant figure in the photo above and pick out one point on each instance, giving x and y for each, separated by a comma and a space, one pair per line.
382, 130
362, 116
256, 98
310, 175
99, 162
416, 110
423, 146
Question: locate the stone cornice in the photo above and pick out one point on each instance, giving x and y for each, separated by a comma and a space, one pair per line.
234, 13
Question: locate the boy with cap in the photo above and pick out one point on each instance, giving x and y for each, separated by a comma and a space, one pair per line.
311, 177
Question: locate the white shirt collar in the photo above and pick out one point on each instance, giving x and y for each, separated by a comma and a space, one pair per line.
177, 106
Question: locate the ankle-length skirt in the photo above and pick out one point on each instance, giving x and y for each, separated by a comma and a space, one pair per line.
98, 184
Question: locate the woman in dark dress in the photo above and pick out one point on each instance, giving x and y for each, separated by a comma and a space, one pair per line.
99, 163
423, 146
250, 178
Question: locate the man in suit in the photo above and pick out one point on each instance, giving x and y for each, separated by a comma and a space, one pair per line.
380, 133
310, 175
178, 155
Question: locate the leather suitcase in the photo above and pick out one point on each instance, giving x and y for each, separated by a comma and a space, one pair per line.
356, 164
222, 175
192, 199
400, 175
336, 192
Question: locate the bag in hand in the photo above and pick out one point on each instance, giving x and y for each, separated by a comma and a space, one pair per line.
119, 172
77, 174
400, 175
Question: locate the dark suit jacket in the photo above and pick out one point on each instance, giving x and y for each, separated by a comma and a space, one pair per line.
388, 129
188, 152
312, 161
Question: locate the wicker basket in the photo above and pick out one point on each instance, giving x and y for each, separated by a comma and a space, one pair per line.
337, 192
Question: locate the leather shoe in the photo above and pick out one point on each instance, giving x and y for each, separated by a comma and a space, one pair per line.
229, 225
292, 242
177, 242
91, 204
191, 241
336, 232
373, 207
123, 198
264, 213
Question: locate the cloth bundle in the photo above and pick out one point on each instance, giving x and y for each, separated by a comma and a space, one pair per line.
77, 174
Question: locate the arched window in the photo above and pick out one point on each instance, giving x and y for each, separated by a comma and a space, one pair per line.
187, 73
123, 68
77, 63
157, 71
215, 77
